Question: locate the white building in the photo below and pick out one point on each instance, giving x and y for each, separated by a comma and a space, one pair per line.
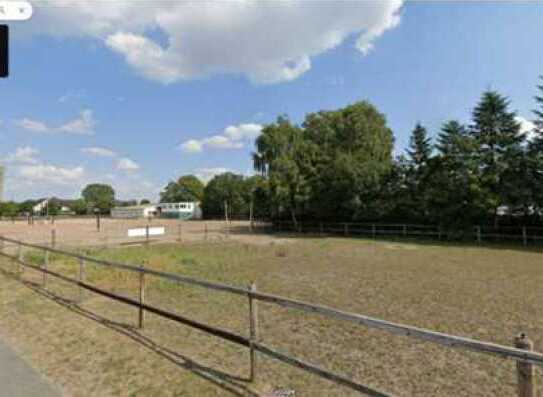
134, 212
187, 210
41, 207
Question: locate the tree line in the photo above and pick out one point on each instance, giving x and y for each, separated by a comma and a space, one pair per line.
339, 166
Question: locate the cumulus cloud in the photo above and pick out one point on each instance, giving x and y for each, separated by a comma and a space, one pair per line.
82, 125
527, 127
32, 125
24, 154
206, 174
126, 164
233, 137
51, 174
98, 151
268, 42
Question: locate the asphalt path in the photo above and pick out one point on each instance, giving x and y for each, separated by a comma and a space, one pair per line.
18, 379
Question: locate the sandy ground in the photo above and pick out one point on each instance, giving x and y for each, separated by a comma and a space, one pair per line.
114, 232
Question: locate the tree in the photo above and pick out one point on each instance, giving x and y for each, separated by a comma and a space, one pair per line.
229, 188
99, 196
8, 208
144, 201
280, 156
346, 155
498, 138
79, 207
27, 206
537, 143
256, 192
420, 148
187, 188
53, 207
453, 188
419, 152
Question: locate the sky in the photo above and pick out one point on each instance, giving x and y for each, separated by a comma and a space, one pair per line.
135, 94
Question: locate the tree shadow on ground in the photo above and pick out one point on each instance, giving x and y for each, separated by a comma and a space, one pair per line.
234, 385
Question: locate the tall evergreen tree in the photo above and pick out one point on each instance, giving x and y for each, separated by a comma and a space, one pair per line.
419, 151
451, 139
453, 179
535, 154
499, 140
539, 116
420, 147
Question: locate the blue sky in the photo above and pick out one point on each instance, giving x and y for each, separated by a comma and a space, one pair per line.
106, 102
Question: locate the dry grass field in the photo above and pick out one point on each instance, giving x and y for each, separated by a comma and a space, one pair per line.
94, 349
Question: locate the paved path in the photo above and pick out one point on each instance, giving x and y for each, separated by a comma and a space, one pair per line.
17, 379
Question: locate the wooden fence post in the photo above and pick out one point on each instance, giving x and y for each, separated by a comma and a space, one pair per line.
251, 224
478, 228
81, 278
45, 265
346, 229
147, 235
205, 231
227, 229
180, 232
2, 244
20, 258
53, 238
373, 230
524, 237
404, 230
321, 231
253, 327
141, 314
525, 371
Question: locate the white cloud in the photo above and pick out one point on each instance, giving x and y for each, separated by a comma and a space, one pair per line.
233, 137
268, 42
71, 96
191, 146
32, 125
221, 142
206, 174
527, 127
51, 174
243, 131
82, 125
98, 151
24, 154
126, 164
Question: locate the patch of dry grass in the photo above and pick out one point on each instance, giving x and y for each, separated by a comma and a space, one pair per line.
485, 293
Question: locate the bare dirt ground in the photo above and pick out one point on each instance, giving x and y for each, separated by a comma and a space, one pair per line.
84, 231
93, 348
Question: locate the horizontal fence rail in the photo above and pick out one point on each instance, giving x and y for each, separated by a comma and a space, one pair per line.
452, 341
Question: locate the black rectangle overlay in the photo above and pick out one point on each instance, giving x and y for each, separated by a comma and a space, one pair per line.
4, 51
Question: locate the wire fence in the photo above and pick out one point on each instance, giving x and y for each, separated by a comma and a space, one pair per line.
525, 235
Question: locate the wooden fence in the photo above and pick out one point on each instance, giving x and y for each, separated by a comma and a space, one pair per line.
522, 353
525, 235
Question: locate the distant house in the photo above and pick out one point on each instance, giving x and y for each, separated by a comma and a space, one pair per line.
40, 208
186, 210
134, 212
